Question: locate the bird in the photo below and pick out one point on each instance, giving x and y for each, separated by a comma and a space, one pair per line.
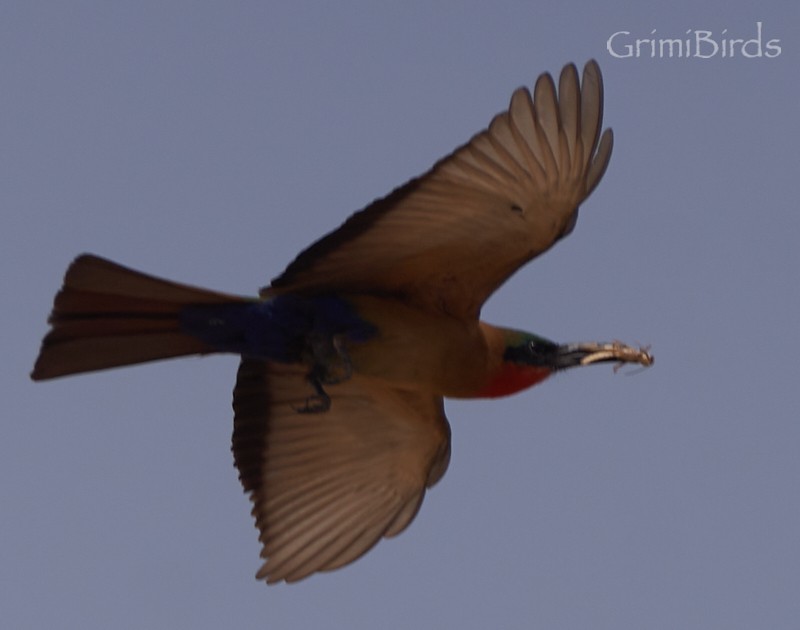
347, 356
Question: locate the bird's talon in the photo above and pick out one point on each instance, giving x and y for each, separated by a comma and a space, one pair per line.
331, 363
319, 403
345, 367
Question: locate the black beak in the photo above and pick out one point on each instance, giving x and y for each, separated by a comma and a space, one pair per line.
578, 354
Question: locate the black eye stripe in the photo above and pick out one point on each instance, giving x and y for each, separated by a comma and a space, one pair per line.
531, 352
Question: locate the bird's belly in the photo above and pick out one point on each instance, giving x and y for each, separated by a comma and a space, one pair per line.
417, 350
376, 337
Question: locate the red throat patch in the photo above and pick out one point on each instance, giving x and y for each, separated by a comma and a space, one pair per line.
512, 378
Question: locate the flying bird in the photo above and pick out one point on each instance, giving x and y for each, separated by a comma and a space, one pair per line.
346, 357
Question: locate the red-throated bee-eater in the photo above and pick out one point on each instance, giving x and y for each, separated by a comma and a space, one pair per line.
339, 423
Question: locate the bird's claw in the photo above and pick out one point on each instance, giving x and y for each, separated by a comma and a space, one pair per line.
331, 365
329, 358
320, 402
340, 370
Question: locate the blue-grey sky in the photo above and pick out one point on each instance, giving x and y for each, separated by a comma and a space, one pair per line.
210, 142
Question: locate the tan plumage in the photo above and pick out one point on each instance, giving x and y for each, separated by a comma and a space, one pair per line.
331, 471
107, 315
442, 242
447, 239
327, 486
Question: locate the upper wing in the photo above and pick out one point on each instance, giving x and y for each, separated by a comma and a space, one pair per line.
447, 239
327, 486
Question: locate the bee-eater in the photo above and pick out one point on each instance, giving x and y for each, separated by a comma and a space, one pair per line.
339, 423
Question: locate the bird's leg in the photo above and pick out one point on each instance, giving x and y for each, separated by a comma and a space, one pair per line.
330, 365
330, 359
320, 402
344, 366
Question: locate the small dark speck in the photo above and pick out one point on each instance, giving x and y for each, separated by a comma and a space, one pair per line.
516, 208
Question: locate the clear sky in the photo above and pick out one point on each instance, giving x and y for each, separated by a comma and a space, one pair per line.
210, 142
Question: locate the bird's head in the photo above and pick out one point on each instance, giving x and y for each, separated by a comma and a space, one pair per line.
526, 359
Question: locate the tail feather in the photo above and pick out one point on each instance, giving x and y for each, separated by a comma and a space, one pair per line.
107, 315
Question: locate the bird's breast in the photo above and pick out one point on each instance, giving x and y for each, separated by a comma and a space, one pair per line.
380, 337
419, 350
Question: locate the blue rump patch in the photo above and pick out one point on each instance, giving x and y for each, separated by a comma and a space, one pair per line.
277, 329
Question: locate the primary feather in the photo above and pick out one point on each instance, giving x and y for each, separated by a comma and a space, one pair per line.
449, 238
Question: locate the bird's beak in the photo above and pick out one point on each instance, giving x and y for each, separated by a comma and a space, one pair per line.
578, 354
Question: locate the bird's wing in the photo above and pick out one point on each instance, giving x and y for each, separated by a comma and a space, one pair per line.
447, 239
326, 486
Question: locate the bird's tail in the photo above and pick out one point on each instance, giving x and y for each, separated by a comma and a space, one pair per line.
107, 315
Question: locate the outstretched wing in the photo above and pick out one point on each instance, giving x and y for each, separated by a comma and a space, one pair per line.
447, 239
327, 486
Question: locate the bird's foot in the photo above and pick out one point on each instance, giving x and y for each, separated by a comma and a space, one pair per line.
332, 364
320, 402
341, 369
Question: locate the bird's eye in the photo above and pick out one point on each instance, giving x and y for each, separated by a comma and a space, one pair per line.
541, 348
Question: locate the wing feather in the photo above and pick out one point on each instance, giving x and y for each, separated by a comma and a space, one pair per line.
547, 110
362, 528
569, 105
328, 486
448, 239
599, 165
591, 105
